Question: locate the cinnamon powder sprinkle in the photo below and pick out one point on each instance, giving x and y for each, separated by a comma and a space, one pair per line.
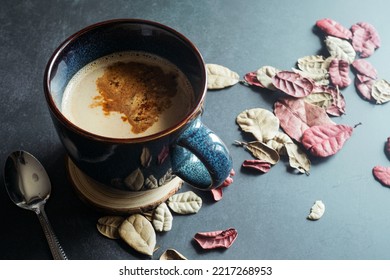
138, 91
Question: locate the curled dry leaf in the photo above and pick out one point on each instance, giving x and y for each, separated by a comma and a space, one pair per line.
217, 193
297, 158
278, 142
219, 76
339, 73
317, 210
172, 254
262, 123
380, 91
185, 203
251, 79
382, 174
333, 28
162, 218
216, 239
265, 75
296, 115
326, 140
260, 151
108, 226
364, 67
365, 38
257, 164
292, 84
139, 234
341, 49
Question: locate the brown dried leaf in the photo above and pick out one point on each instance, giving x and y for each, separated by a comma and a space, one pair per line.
297, 158
261, 151
219, 76
216, 239
139, 234
108, 226
262, 123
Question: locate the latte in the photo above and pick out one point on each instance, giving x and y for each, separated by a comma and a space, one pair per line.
127, 95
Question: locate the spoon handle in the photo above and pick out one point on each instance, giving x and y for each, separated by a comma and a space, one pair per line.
55, 246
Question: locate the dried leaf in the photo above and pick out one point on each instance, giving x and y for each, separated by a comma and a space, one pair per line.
382, 174
172, 254
135, 180
217, 193
364, 86
216, 239
337, 108
292, 84
387, 147
364, 67
314, 64
185, 203
333, 28
296, 115
317, 210
326, 140
318, 79
321, 99
162, 218
261, 151
219, 76
341, 49
265, 75
278, 142
146, 157
297, 158
257, 164
108, 226
262, 123
365, 39
251, 79
339, 73
139, 234
380, 91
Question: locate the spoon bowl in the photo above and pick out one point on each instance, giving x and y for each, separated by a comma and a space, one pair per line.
29, 187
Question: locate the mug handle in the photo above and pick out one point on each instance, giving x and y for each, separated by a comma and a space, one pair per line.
200, 158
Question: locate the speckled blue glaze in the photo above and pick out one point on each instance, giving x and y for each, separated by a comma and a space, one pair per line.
200, 157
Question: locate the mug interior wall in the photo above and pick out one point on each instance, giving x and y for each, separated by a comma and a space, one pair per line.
127, 36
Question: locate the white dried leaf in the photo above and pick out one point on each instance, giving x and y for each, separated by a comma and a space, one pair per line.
320, 99
135, 180
172, 254
314, 64
262, 123
279, 141
265, 74
318, 78
219, 76
185, 203
109, 225
139, 234
317, 210
341, 49
380, 91
162, 218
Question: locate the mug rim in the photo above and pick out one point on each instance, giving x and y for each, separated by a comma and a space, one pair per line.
195, 111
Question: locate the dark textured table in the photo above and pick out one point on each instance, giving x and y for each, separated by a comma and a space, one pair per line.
269, 211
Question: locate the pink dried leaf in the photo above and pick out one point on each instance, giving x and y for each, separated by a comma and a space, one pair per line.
293, 84
387, 147
364, 86
382, 174
365, 68
257, 164
217, 193
326, 140
339, 73
365, 39
251, 79
337, 108
296, 115
333, 28
216, 239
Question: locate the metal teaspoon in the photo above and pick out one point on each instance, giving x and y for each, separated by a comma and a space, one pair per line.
28, 186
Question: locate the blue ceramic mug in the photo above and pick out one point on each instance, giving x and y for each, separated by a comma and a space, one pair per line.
187, 149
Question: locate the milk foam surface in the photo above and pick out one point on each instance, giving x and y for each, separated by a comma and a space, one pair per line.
80, 92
